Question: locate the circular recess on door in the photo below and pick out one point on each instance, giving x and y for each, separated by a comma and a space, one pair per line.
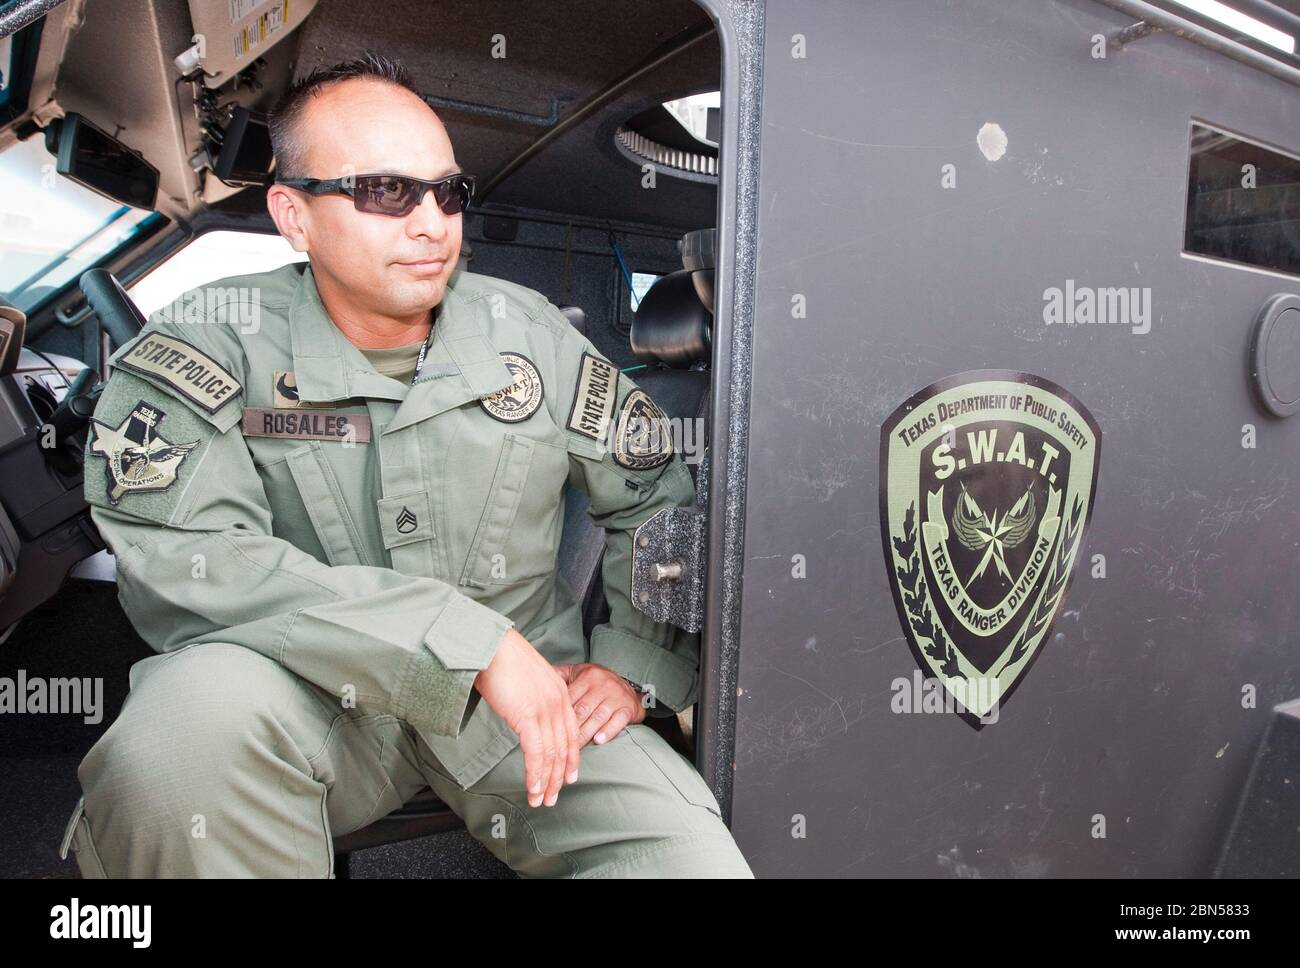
1275, 355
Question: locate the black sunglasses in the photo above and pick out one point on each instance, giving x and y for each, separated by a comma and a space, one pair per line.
395, 195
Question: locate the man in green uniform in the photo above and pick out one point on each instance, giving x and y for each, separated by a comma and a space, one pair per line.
334, 493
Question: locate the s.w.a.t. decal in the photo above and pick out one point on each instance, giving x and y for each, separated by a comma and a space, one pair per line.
986, 489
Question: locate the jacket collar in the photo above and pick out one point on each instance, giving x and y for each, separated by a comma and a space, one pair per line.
462, 363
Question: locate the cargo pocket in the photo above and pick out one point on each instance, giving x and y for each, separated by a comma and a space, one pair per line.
679, 771
489, 562
77, 836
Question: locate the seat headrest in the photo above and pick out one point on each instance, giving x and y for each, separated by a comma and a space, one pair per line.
577, 317
698, 255
671, 325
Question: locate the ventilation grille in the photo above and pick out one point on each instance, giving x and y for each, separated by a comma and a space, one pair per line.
672, 158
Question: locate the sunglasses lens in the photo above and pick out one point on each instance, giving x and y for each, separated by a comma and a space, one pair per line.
454, 194
398, 195
386, 194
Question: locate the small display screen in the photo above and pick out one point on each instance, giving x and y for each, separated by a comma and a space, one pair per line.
101, 163
245, 157
1243, 202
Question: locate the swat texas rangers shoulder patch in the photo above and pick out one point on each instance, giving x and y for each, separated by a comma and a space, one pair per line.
643, 438
139, 458
520, 400
986, 490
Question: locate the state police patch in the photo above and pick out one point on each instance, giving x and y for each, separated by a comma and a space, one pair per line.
520, 400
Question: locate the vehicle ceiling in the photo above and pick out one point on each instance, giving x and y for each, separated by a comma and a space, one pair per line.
557, 54
117, 71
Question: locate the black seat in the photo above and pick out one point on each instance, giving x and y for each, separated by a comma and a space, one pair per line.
671, 335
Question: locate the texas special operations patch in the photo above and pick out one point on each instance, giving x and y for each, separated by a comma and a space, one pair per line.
986, 491
520, 400
594, 397
139, 457
187, 369
643, 438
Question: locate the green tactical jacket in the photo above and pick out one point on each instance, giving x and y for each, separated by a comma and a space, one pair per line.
260, 483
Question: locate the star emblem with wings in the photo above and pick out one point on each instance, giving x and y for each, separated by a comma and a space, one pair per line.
139, 459
977, 531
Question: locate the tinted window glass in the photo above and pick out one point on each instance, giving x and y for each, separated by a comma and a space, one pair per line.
1243, 202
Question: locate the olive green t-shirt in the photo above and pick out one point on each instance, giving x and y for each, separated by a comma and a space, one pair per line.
397, 362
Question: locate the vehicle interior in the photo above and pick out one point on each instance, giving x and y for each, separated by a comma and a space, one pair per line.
133, 165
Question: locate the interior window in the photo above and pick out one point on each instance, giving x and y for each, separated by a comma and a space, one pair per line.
212, 256
51, 228
641, 283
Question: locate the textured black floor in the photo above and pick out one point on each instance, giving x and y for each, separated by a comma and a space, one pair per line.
82, 632
450, 855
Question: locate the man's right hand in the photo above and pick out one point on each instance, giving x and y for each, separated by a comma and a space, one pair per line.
526, 691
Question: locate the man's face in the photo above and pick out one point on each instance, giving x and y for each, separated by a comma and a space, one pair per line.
394, 267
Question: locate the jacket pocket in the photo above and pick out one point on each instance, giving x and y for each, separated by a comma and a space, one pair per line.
323, 499
498, 554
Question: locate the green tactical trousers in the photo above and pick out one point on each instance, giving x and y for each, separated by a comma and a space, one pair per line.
225, 764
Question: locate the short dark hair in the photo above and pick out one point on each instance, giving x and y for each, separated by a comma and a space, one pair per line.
286, 138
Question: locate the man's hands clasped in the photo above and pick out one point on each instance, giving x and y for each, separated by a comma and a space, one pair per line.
603, 702
555, 710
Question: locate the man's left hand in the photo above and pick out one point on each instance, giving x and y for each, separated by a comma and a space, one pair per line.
603, 702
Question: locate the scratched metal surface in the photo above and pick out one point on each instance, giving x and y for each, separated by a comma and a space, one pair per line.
1133, 710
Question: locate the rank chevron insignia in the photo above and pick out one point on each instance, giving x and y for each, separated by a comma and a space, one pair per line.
406, 521
987, 481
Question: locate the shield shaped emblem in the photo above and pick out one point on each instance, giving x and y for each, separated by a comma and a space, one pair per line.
987, 481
